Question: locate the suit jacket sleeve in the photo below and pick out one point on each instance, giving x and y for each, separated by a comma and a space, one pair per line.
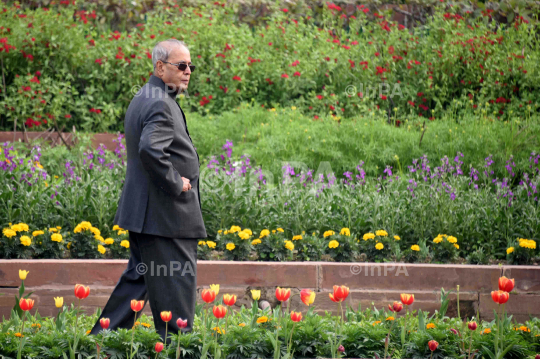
156, 137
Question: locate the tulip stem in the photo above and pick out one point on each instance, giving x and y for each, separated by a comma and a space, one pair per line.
178, 346
470, 346
166, 328
290, 340
132, 335
22, 335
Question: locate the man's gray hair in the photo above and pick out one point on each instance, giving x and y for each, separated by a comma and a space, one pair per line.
163, 49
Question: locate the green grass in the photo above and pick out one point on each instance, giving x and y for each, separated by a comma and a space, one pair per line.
273, 137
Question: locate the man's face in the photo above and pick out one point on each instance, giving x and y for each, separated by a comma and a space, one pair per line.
170, 74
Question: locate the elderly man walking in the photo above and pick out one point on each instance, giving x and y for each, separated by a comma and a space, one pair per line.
160, 203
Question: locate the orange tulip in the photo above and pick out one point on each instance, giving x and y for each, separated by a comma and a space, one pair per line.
506, 285
137, 305
159, 347
81, 291
208, 295
26, 304
396, 307
166, 316
307, 296
407, 299
229, 299
296, 316
219, 311
105, 322
282, 294
340, 293
433, 345
500, 297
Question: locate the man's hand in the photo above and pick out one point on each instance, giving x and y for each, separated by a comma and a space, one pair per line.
187, 185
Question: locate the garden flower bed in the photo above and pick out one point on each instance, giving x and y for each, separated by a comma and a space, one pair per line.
397, 329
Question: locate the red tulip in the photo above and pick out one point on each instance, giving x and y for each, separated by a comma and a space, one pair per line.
105, 322
396, 307
181, 323
307, 296
500, 297
433, 345
137, 305
229, 299
296, 316
26, 304
506, 284
340, 293
81, 291
282, 294
208, 295
166, 316
159, 347
407, 299
219, 311
473, 325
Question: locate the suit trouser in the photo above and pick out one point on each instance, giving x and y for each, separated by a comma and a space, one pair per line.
162, 271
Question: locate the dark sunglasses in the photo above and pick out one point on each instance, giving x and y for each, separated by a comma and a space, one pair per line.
182, 66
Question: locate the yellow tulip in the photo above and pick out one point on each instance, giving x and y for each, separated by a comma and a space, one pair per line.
255, 294
58, 302
23, 274
215, 288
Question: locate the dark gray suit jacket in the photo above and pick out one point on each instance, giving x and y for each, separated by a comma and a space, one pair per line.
159, 153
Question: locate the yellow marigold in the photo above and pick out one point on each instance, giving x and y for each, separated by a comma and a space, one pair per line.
56, 237
486, 331
509, 250
430, 326
219, 330
109, 241
273, 231
95, 231
415, 247
345, 232
8, 232
230, 246
121, 232
37, 233
528, 243
390, 318
248, 231
58, 227
235, 229
456, 245
116, 227
68, 245
23, 227
256, 241
397, 238
368, 236
220, 231
289, 245
379, 246
78, 229
381, 233
328, 233
36, 325
38, 165
101, 249
19, 335
99, 238
146, 325
225, 232
451, 239
243, 235
438, 240
211, 244
262, 319
54, 230
333, 244
25, 241
88, 332
297, 237
280, 230
125, 243
202, 243
85, 225
376, 322
242, 324
264, 233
